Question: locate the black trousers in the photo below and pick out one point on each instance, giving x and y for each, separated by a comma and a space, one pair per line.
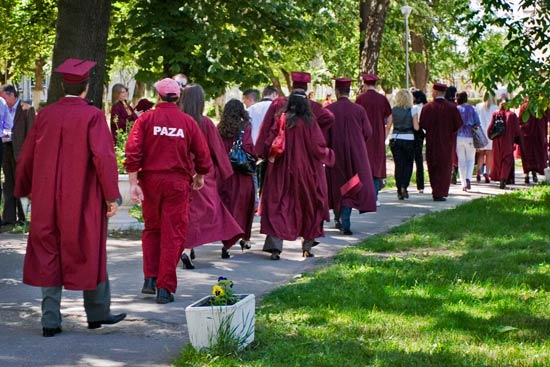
13, 209
403, 157
419, 160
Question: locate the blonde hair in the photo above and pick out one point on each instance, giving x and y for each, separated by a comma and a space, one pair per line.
117, 88
403, 98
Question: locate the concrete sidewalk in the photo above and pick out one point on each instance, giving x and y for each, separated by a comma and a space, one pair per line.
152, 334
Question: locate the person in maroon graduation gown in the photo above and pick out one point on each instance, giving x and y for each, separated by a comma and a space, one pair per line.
441, 120
348, 138
323, 117
122, 113
237, 192
503, 145
167, 153
68, 165
293, 203
379, 112
209, 219
533, 147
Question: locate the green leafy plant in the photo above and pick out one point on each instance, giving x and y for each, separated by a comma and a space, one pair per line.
122, 137
223, 293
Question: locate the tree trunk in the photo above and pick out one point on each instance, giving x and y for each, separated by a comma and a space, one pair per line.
139, 92
420, 68
288, 80
373, 18
81, 33
38, 81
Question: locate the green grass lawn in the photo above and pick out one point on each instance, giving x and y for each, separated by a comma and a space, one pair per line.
465, 287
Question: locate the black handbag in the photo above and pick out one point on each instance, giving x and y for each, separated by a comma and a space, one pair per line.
241, 160
498, 128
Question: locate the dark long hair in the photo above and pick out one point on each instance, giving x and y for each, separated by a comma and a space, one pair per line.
419, 97
234, 118
192, 102
297, 107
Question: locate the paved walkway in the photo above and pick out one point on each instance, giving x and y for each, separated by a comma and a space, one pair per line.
152, 334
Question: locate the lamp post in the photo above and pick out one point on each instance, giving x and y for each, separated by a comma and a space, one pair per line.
406, 11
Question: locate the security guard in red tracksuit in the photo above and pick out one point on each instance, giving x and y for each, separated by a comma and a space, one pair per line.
166, 156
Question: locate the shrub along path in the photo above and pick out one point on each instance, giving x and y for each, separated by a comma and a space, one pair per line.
154, 334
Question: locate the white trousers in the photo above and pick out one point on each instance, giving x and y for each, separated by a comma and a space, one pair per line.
466, 154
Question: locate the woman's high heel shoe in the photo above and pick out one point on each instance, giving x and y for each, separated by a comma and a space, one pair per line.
225, 253
192, 254
187, 263
244, 245
307, 253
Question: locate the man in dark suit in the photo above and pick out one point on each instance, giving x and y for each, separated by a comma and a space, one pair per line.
16, 127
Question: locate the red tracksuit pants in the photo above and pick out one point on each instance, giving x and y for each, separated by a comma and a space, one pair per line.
165, 212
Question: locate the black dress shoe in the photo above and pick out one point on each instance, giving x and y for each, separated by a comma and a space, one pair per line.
113, 319
192, 256
275, 255
439, 199
347, 232
468, 184
535, 178
187, 263
225, 253
149, 286
337, 224
164, 296
48, 332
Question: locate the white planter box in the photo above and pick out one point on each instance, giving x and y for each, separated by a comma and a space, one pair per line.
123, 220
203, 322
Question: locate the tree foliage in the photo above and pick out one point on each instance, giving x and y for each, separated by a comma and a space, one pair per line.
27, 36
433, 26
522, 63
217, 43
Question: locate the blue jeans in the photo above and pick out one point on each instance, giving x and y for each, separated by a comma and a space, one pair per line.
345, 213
377, 185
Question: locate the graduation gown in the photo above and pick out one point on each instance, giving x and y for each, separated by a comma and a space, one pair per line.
121, 114
293, 203
378, 110
533, 147
68, 164
441, 120
237, 192
348, 138
503, 146
209, 219
270, 128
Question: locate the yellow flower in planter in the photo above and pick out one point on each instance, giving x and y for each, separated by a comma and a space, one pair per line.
223, 293
218, 291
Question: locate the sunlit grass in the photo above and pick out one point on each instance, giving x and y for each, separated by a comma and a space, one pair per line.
466, 287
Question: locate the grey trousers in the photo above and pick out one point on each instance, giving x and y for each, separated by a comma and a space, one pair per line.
97, 304
273, 243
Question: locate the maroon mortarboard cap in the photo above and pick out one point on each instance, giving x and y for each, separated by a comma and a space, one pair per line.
370, 78
144, 105
440, 87
342, 82
300, 79
75, 71
167, 86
